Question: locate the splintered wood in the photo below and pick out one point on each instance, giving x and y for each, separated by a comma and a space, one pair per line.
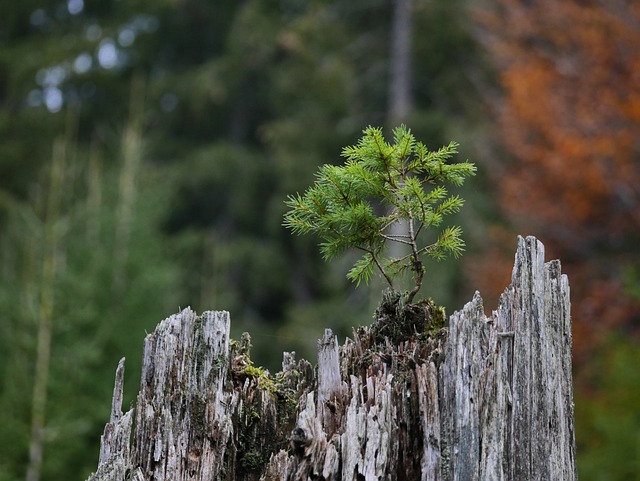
489, 398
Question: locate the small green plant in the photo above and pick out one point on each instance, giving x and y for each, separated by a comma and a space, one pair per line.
382, 186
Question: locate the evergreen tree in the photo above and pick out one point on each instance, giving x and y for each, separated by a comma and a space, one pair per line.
341, 206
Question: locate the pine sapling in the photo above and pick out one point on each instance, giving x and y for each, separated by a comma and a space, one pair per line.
380, 186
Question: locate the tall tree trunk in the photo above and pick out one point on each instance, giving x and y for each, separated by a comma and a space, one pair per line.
488, 398
132, 151
400, 98
45, 311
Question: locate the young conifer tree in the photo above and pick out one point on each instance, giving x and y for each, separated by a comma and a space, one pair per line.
381, 184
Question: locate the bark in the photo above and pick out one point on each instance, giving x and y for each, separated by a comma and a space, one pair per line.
488, 398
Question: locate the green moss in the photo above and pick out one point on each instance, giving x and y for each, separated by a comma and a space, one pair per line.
218, 362
252, 461
261, 376
255, 439
253, 415
268, 414
253, 371
438, 319
197, 410
398, 320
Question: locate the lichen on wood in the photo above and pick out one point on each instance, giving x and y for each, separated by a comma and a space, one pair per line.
486, 398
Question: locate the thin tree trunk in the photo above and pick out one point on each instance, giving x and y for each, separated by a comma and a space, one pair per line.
489, 398
94, 193
131, 159
45, 312
400, 98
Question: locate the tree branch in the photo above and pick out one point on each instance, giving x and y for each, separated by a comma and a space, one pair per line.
378, 265
416, 264
397, 238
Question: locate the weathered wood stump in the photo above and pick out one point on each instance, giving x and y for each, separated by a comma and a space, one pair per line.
489, 398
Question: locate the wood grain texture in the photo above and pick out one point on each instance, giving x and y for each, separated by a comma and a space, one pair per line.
489, 398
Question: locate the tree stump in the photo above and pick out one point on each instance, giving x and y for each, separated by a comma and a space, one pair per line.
488, 398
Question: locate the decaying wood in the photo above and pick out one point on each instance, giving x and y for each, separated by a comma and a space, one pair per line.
489, 398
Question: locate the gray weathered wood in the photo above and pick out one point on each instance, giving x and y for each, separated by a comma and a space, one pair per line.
114, 443
489, 398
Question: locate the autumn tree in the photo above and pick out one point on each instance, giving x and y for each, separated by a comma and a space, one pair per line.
569, 120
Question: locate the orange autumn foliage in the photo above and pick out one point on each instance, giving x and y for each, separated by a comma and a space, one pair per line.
569, 123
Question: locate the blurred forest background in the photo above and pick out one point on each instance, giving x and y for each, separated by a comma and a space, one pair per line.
146, 149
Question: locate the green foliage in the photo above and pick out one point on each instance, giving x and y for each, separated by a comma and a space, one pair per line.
607, 415
405, 182
112, 280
